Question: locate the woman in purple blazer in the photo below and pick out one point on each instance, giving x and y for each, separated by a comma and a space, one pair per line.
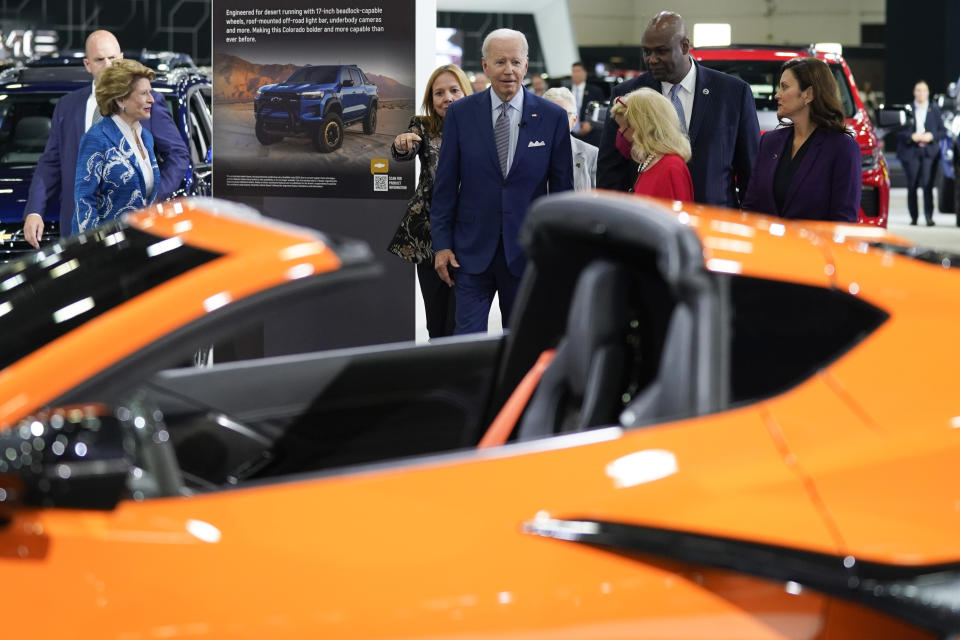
809, 168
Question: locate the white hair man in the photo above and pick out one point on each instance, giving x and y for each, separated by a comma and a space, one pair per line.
584, 153
502, 148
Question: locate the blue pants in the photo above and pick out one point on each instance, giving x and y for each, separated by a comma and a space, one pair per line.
474, 293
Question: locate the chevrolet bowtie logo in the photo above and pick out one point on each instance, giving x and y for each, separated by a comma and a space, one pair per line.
4, 236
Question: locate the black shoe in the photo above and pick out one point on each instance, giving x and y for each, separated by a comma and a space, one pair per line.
913, 223
929, 223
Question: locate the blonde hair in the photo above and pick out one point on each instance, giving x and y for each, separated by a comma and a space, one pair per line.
116, 83
656, 127
433, 122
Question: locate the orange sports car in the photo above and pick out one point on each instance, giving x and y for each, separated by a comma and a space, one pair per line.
704, 424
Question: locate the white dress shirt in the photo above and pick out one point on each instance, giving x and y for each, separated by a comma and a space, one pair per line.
578, 91
514, 112
136, 143
91, 108
688, 87
920, 116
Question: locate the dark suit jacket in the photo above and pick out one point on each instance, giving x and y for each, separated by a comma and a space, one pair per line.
827, 183
590, 94
724, 136
473, 203
909, 150
57, 167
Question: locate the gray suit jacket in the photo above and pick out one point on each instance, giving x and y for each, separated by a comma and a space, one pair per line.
584, 164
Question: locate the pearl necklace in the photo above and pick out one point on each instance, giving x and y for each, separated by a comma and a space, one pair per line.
646, 163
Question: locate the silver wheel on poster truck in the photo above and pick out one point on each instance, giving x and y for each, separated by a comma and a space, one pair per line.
370, 122
329, 135
264, 137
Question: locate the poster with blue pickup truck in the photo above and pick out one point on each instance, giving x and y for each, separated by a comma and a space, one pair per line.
310, 97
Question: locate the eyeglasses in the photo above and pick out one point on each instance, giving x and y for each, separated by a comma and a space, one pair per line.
620, 101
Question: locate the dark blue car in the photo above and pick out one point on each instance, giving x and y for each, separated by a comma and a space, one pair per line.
316, 101
28, 96
948, 186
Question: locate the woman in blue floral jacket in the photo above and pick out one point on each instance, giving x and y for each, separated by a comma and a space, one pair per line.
117, 170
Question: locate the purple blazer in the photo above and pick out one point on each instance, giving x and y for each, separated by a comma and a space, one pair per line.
826, 185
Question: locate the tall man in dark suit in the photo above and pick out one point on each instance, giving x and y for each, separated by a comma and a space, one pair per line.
583, 95
918, 146
73, 115
501, 148
716, 110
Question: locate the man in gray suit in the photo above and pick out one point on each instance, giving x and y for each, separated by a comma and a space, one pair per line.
584, 153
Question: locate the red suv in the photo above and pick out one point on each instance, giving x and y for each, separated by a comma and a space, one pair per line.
759, 66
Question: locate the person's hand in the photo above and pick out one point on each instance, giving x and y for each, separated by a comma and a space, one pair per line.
927, 136
585, 128
915, 137
33, 229
441, 261
405, 141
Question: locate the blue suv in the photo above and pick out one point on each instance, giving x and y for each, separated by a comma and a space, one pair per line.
28, 95
316, 101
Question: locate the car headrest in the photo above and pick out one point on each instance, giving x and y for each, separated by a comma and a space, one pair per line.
597, 318
32, 131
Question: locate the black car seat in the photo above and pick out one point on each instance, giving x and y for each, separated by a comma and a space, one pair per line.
29, 138
582, 386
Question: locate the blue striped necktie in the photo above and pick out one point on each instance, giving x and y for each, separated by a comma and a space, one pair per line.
501, 135
675, 99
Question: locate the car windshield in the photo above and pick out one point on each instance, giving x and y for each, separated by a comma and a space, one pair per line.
314, 75
763, 76
25, 126
45, 297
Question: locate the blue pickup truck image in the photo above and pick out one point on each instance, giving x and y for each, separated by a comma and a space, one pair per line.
318, 102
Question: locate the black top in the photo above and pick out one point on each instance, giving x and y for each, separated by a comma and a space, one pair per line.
787, 167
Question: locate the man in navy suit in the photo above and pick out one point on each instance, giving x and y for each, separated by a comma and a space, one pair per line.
716, 110
918, 146
584, 94
501, 148
73, 115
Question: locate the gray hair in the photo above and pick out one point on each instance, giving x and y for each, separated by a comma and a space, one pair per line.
561, 96
505, 34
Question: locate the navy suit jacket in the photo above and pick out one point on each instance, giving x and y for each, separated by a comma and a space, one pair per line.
473, 203
826, 185
57, 167
909, 150
724, 136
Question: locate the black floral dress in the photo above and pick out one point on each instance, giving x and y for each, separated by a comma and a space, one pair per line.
412, 240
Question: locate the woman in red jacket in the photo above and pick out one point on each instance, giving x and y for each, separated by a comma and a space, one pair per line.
649, 133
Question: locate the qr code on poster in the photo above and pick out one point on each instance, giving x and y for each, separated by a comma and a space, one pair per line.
380, 182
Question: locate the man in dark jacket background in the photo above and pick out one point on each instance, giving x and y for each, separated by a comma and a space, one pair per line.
716, 110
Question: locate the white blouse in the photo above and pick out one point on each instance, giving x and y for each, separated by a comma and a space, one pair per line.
136, 143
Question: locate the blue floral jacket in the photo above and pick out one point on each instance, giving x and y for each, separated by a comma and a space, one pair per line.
109, 182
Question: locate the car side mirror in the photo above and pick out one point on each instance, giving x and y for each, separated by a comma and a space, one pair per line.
73, 457
891, 117
346, 83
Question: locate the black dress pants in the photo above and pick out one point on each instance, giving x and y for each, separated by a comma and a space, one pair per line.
438, 301
919, 170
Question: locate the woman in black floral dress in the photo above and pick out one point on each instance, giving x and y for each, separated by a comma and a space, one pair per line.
412, 240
